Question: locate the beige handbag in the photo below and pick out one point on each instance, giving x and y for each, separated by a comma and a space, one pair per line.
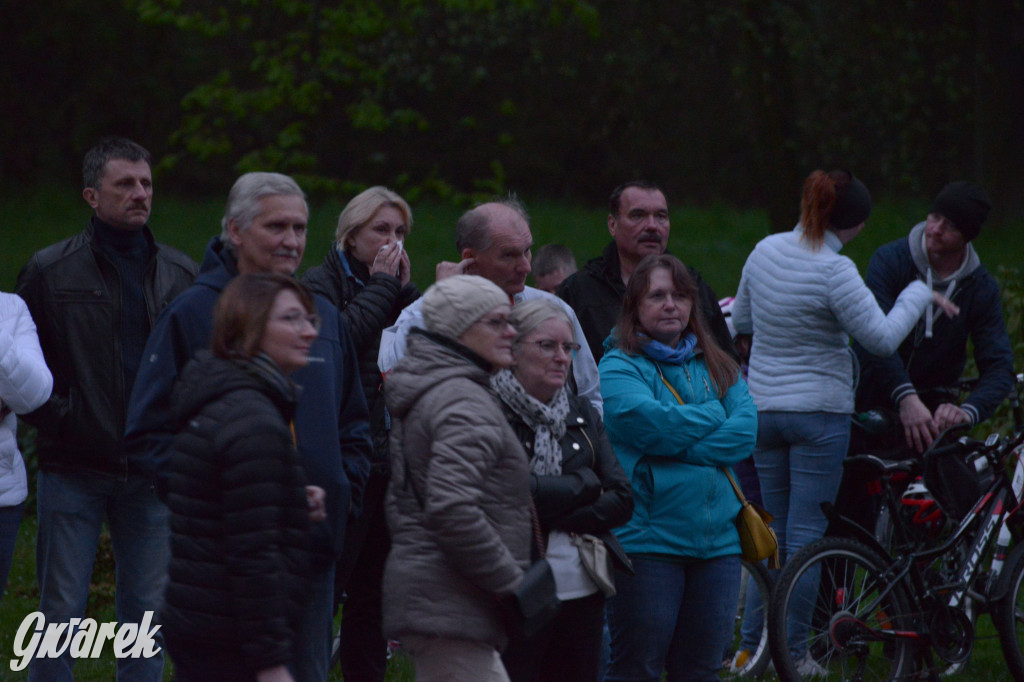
757, 539
595, 560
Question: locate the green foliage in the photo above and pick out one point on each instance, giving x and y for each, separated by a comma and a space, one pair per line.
728, 102
1011, 282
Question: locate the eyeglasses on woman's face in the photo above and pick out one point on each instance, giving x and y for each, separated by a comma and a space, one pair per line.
549, 347
298, 320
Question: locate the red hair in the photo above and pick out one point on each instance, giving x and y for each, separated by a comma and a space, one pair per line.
821, 191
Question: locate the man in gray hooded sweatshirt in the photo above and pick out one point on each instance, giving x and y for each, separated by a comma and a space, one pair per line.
919, 379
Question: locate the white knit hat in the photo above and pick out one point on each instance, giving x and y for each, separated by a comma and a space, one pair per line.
453, 304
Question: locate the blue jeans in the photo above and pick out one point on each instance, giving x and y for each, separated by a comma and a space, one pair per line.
10, 520
799, 458
670, 616
313, 641
72, 509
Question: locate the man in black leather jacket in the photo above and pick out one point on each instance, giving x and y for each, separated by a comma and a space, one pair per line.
638, 221
94, 297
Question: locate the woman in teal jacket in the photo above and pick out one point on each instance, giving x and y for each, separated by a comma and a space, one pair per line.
676, 412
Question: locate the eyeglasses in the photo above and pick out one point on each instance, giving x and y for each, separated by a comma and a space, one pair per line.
548, 347
296, 320
497, 324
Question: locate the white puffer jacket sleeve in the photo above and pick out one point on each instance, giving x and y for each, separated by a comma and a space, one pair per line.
25, 384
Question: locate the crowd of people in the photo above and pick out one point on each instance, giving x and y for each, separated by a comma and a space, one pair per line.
265, 450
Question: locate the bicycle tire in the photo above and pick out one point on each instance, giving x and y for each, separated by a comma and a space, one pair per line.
1008, 612
754, 576
834, 584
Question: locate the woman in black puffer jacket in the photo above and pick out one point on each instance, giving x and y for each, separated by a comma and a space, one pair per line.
366, 276
241, 512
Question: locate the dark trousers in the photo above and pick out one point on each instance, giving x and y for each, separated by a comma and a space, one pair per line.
568, 649
363, 649
196, 663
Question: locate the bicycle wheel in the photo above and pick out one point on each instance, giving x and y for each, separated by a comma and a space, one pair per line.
1008, 612
752, 663
832, 615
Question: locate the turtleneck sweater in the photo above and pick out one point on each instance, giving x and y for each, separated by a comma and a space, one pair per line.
128, 251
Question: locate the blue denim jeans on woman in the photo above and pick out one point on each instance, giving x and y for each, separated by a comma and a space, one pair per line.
799, 458
10, 521
72, 509
675, 616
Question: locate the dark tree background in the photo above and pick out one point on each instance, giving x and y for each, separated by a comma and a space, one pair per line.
732, 101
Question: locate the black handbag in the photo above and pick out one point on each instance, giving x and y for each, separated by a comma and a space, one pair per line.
535, 600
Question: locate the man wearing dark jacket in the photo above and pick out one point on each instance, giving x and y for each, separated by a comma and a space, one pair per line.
264, 229
919, 379
638, 221
94, 298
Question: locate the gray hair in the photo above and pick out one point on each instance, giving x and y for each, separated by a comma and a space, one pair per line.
244, 200
552, 257
528, 315
110, 149
364, 206
473, 229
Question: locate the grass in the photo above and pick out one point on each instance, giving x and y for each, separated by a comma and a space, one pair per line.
715, 239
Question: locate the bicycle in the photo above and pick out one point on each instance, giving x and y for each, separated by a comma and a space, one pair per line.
753, 576
847, 606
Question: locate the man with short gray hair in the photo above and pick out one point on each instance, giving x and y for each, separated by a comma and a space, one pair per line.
264, 230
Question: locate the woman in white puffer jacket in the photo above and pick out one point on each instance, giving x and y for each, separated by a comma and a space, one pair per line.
803, 300
25, 384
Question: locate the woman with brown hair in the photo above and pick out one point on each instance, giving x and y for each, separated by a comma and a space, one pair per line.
241, 512
677, 413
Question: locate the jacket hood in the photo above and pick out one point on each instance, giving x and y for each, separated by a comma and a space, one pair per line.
208, 378
920, 256
218, 267
429, 361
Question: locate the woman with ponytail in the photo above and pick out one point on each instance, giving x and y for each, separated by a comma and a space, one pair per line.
802, 301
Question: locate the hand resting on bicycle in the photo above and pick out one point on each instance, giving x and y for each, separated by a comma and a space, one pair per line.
920, 426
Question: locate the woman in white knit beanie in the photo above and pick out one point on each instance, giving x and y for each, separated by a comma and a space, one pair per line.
458, 505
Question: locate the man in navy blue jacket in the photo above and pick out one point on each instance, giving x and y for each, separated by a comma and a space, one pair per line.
919, 379
264, 229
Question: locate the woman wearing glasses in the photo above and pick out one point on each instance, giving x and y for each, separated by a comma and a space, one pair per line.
677, 414
458, 505
578, 487
241, 512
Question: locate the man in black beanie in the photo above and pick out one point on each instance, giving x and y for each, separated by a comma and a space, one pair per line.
919, 379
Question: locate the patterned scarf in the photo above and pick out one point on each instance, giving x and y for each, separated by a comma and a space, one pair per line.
546, 421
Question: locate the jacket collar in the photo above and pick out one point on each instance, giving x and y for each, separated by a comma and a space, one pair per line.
90, 236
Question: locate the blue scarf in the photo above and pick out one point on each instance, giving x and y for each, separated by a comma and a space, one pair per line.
683, 351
